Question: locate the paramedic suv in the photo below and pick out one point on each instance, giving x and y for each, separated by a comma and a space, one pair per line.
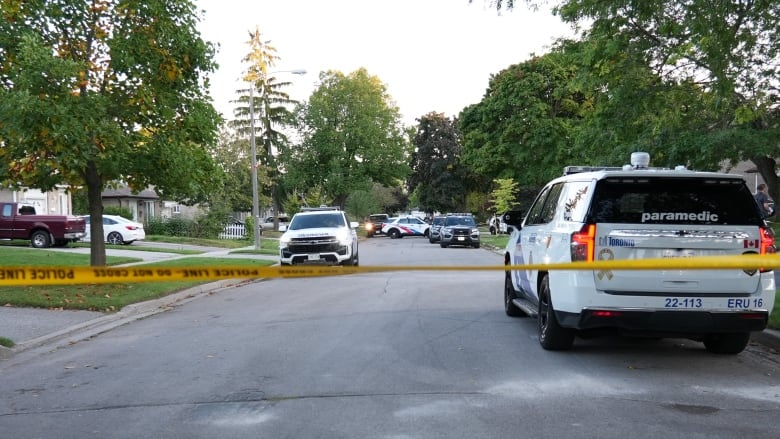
636, 212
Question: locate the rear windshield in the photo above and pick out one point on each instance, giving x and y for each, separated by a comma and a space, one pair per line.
674, 201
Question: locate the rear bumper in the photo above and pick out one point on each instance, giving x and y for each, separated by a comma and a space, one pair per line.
666, 322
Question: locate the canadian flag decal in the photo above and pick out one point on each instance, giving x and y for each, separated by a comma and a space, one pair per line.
750, 243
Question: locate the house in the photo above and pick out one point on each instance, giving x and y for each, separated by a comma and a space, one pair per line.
747, 170
147, 204
143, 205
57, 201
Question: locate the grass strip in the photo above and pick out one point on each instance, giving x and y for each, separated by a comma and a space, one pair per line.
109, 297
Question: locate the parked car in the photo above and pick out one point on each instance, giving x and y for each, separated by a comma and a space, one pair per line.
19, 221
497, 225
636, 212
374, 224
406, 226
117, 230
268, 223
459, 229
436, 223
319, 236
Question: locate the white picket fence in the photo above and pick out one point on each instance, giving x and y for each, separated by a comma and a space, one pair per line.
233, 231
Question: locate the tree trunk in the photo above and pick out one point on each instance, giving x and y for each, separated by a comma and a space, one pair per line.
766, 166
97, 255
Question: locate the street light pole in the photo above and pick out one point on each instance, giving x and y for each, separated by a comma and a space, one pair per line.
253, 151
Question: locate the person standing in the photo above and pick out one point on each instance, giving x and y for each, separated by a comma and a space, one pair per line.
765, 202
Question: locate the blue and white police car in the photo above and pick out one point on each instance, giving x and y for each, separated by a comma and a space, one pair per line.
406, 226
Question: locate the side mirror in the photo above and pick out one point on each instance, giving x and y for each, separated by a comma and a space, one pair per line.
513, 218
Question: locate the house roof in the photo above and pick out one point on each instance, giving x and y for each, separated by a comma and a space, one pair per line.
124, 192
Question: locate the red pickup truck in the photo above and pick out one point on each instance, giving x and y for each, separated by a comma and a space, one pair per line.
19, 221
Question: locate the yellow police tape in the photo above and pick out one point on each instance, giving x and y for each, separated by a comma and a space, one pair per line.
25, 276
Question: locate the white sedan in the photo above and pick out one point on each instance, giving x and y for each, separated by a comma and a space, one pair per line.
118, 230
405, 226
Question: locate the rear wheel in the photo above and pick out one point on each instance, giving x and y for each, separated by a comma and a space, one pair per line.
115, 238
552, 336
40, 239
730, 344
394, 234
509, 294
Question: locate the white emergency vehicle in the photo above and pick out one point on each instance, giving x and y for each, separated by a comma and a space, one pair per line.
321, 235
637, 212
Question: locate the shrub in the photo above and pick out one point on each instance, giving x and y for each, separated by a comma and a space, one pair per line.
124, 212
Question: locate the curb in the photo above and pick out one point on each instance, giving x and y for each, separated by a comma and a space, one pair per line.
768, 337
128, 314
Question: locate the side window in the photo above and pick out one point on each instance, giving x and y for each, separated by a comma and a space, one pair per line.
551, 204
7, 210
534, 212
575, 204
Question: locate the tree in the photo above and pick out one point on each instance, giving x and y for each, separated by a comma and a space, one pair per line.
437, 178
231, 154
729, 51
93, 92
352, 137
361, 204
389, 199
522, 128
503, 196
268, 104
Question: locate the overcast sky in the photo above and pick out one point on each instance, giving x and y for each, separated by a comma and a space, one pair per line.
433, 55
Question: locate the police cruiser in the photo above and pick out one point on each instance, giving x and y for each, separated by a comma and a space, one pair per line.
636, 212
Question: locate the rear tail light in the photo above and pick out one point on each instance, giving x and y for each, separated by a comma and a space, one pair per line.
752, 316
766, 244
583, 244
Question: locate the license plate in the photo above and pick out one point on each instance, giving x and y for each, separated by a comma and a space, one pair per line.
314, 256
460, 238
683, 302
679, 253
732, 303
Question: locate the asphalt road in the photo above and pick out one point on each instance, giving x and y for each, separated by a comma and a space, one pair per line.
386, 355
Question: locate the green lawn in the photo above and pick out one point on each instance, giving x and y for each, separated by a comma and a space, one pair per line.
37, 257
105, 298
